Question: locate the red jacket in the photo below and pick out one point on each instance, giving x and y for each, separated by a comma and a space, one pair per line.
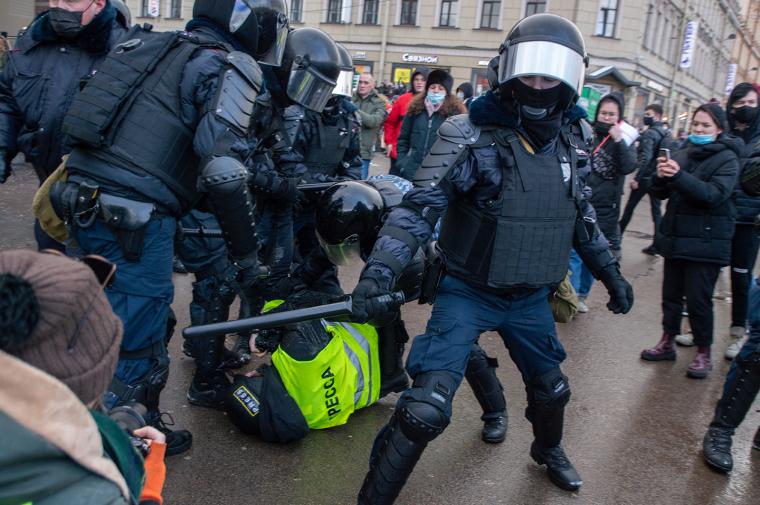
394, 120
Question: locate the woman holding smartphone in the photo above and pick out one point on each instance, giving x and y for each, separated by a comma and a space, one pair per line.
696, 231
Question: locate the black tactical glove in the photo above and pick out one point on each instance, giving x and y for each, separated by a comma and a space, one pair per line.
621, 292
268, 340
5, 165
364, 300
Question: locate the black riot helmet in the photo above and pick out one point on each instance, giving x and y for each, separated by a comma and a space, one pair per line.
260, 26
348, 218
345, 83
310, 68
545, 45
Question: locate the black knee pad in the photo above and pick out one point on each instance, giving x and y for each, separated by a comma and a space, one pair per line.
550, 391
425, 409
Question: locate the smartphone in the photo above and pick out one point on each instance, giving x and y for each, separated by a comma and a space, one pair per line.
665, 153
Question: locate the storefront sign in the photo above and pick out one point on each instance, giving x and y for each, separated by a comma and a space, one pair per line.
419, 58
689, 41
360, 55
655, 86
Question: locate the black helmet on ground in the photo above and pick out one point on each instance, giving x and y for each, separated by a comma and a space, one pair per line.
260, 26
543, 45
310, 68
349, 215
345, 80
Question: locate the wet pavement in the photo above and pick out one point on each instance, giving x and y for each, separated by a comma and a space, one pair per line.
633, 429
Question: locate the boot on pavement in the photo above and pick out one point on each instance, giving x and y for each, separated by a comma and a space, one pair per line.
663, 351
558, 466
177, 441
481, 376
495, 429
716, 448
209, 390
701, 366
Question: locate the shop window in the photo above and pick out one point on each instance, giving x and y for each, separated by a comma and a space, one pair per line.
535, 7
448, 15
606, 20
334, 11
369, 16
489, 15
149, 8
175, 9
408, 12
296, 11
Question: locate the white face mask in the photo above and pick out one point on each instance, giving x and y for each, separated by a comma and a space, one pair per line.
460, 95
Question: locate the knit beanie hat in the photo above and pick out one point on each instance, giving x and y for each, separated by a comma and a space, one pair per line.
716, 112
55, 316
441, 77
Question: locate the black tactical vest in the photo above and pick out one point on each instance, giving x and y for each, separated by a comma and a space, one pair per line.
523, 239
128, 112
325, 152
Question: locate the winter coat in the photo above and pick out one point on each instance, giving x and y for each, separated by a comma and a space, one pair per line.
52, 451
392, 126
747, 207
649, 143
372, 114
40, 78
698, 224
476, 177
420, 131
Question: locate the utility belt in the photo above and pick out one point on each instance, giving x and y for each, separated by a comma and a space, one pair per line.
79, 205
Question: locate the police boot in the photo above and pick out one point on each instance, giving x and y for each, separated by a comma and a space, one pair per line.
210, 383
547, 397
739, 393
481, 376
422, 413
177, 441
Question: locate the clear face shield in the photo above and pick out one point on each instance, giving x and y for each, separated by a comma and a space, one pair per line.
308, 86
547, 59
343, 253
345, 83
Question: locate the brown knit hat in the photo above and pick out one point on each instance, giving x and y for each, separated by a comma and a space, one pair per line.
55, 316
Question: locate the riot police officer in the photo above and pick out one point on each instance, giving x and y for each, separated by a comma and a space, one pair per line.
350, 218
506, 176
162, 125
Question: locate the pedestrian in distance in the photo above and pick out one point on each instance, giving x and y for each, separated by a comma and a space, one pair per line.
392, 126
372, 113
696, 231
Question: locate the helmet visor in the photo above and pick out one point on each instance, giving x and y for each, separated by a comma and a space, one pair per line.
309, 87
547, 59
345, 83
273, 57
342, 253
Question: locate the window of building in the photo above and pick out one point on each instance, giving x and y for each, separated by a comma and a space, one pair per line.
648, 28
369, 16
175, 9
334, 11
535, 7
149, 8
606, 20
489, 16
296, 11
408, 12
448, 16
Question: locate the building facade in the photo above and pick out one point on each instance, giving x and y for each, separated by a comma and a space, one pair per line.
636, 47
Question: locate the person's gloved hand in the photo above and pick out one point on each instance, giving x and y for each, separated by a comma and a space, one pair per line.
268, 340
249, 270
621, 292
364, 307
5, 166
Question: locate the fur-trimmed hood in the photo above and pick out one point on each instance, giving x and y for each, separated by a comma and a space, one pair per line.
490, 110
451, 106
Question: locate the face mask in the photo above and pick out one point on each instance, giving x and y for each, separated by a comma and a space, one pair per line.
602, 129
648, 121
435, 98
460, 95
67, 24
744, 114
700, 140
535, 103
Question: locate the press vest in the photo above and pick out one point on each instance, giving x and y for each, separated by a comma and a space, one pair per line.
325, 152
524, 237
342, 378
127, 115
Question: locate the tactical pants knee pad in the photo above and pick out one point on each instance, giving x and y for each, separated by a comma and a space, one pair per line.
481, 376
147, 389
549, 392
425, 410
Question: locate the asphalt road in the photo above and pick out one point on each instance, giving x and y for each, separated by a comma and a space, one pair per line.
633, 429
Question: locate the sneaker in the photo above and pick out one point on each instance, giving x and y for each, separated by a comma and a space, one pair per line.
559, 468
736, 333
651, 251
582, 307
685, 340
701, 366
177, 441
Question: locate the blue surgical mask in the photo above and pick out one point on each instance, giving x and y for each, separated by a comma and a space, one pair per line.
700, 140
435, 98
460, 95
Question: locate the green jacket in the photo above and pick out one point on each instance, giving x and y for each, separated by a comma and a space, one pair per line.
372, 114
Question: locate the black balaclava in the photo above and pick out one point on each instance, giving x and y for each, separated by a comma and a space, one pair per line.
540, 116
